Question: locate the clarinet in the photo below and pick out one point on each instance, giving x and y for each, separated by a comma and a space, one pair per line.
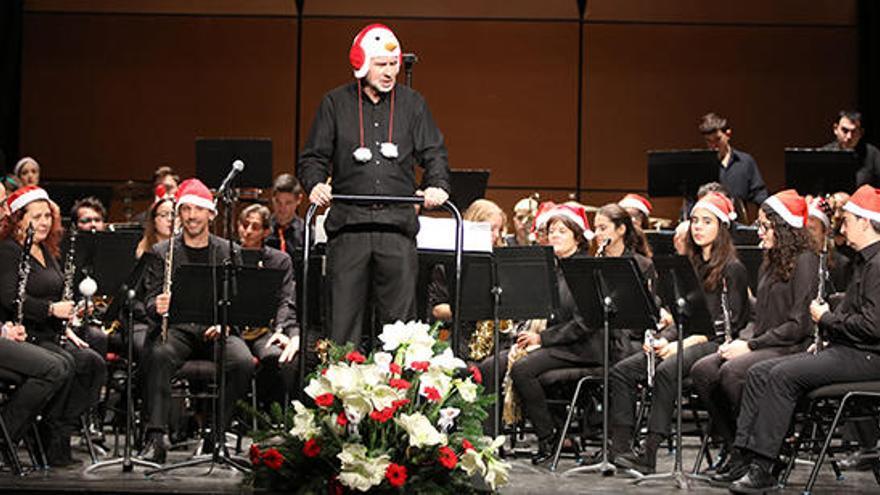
69, 275
24, 272
820, 296
650, 340
166, 283
600, 252
725, 312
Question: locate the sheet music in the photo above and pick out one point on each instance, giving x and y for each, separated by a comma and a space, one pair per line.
439, 233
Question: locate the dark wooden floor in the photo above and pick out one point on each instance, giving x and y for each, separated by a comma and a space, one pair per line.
525, 479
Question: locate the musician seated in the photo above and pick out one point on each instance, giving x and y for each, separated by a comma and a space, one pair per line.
787, 282
523, 221
713, 256
165, 354
638, 207
275, 346
852, 353
44, 314
821, 230
286, 230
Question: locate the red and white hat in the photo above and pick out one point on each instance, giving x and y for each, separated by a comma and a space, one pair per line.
375, 40
25, 196
194, 192
161, 193
816, 208
636, 201
719, 205
791, 206
865, 202
577, 214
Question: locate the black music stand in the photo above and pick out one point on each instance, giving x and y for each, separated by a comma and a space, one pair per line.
661, 241
610, 293
108, 257
242, 302
680, 173
213, 156
820, 171
467, 186
681, 289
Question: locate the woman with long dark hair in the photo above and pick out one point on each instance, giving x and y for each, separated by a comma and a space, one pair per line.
45, 313
787, 282
711, 251
160, 222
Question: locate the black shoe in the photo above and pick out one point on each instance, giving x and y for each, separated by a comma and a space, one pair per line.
735, 467
546, 449
58, 454
644, 464
156, 447
759, 479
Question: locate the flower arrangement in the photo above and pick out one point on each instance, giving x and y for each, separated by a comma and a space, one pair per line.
407, 418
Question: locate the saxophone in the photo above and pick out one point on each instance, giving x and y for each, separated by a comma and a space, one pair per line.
169, 267
481, 343
24, 272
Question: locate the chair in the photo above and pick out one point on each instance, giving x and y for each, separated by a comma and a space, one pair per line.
9, 382
564, 378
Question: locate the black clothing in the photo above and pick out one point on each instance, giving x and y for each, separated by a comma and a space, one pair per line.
292, 236
869, 157
44, 286
742, 178
335, 136
274, 259
853, 330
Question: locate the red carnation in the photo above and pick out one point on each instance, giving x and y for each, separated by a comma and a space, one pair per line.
324, 371
432, 394
466, 445
383, 415
399, 403
475, 373
324, 400
447, 457
355, 357
342, 419
396, 475
311, 448
273, 459
399, 383
420, 365
395, 368
255, 454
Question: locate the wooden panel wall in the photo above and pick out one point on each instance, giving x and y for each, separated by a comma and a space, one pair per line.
113, 89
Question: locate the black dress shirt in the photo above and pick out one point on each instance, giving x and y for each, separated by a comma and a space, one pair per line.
44, 286
335, 136
869, 158
856, 320
291, 235
782, 310
742, 178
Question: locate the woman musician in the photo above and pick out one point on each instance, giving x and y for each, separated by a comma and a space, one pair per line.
45, 314
710, 249
787, 283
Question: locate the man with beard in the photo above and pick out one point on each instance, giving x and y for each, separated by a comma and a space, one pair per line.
369, 135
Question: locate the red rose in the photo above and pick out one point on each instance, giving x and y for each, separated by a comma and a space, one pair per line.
273, 459
432, 394
311, 448
255, 454
324, 400
355, 357
475, 373
395, 368
447, 457
420, 365
399, 383
396, 475
342, 419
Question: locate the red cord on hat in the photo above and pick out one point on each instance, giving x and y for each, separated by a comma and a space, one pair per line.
361, 111
391, 117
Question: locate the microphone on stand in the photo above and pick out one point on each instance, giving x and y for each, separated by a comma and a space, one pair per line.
237, 167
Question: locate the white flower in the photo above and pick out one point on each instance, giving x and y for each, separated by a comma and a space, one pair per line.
397, 334
437, 379
383, 361
417, 353
447, 418
358, 471
447, 361
356, 407
304, 426
384, 396
471, 461
344, 379
497, 473
371, 375
420, 430
467, 389
318, 386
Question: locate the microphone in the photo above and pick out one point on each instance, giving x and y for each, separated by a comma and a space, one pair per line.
237, 167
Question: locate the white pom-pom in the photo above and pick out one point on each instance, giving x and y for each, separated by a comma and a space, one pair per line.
88, 287
363, 155
388, 150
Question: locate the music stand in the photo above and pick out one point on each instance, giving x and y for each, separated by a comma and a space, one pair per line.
681, 289
245, 305
213, 157
467, 186
675, 173
610, 293
820, 171
108, 257
661, 241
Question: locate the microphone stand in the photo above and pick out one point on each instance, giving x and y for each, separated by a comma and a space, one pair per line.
127, 461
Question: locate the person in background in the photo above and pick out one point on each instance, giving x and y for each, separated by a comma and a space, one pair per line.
27, 171
523, 221
286, 232
638, 207
848, 134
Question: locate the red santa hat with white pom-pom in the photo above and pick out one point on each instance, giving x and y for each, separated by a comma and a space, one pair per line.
791, 206
865, 203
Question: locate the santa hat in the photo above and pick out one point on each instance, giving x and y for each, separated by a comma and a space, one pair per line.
817, 208
719, 205
636, 201
865, 203
194, 192
375, 40
791, 206
577, 214
25, 196
161, 193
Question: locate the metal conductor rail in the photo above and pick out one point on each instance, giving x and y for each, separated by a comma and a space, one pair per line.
346, 198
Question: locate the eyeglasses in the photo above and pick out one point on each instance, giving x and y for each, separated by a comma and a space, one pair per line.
763, 226
166, 216
87, 220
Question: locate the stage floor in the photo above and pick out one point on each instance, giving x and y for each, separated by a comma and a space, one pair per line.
524, 479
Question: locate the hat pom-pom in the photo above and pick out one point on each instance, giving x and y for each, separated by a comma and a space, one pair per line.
363, 155
388, 150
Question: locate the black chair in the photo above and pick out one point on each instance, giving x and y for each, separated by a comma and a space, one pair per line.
582, 379
9, 382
